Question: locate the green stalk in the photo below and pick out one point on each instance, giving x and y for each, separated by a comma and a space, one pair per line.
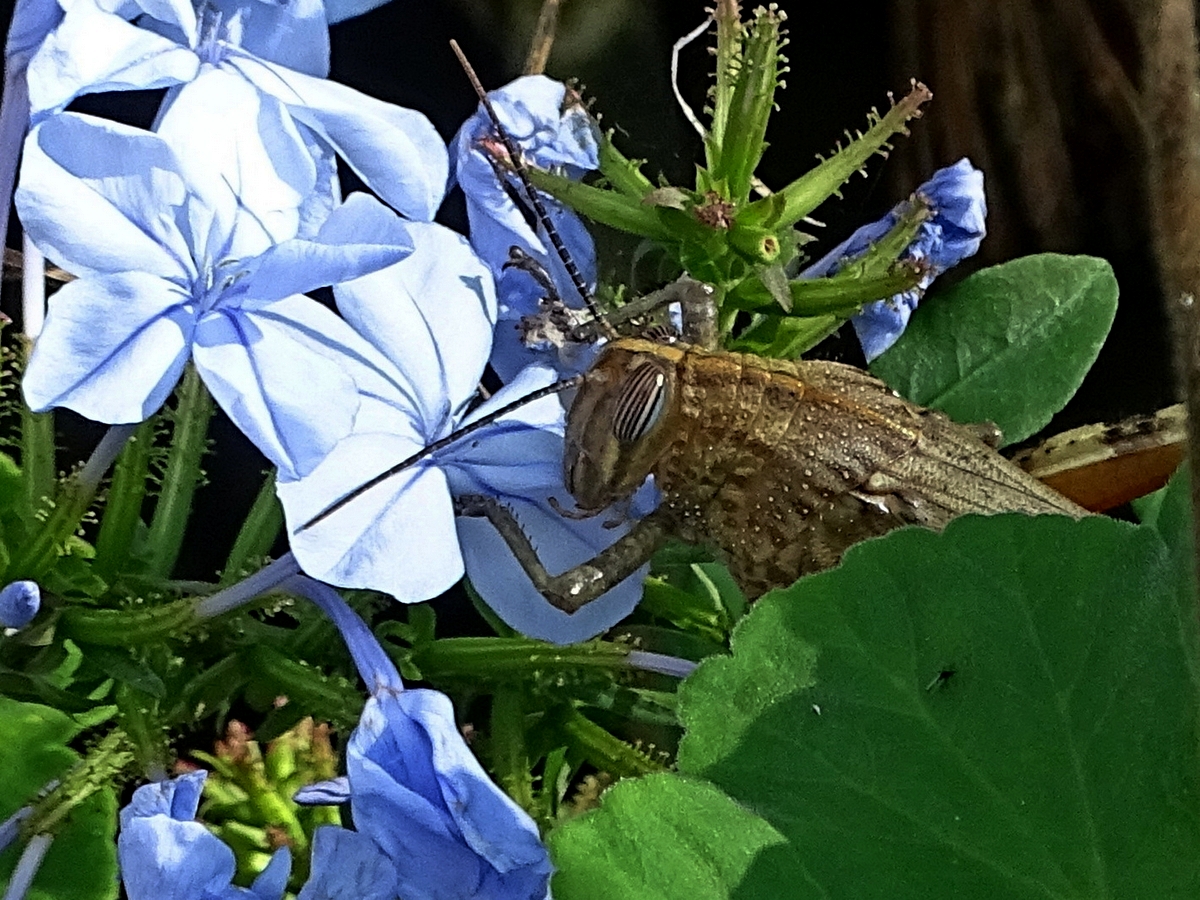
99, 769
123, 511
510, 757
513, 658
257, 533
124, 627
182, 475
604, 750
37, 457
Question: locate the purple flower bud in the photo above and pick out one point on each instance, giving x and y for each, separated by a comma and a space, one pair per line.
19, 603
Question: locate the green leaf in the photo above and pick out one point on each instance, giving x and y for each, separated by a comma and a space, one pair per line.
1001, 710
1010, 344
81, 863
659, 837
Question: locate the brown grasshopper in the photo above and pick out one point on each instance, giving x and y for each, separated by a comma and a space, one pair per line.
778, 466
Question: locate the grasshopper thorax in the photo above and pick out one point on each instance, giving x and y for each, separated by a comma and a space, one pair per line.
621, 421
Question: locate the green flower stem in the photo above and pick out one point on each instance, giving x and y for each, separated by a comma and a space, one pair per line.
70, 503
123, 510
513, 658
729, 45
257, 534
100, 768
510, 757
125, 627
604, 750
37, 457
791, 204
622, 173
321, 696
183, 473
141, 722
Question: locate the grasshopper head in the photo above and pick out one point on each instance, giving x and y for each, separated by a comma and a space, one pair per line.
620, 422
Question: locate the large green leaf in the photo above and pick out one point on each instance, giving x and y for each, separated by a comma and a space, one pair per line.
81, 863
1003, 710
1010, 344
661, 837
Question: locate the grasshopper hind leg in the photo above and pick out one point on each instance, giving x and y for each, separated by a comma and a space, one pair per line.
578, 586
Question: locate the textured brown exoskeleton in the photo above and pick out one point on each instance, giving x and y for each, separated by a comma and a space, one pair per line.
779, 466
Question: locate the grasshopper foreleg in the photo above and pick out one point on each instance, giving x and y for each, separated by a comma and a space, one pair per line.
582, 584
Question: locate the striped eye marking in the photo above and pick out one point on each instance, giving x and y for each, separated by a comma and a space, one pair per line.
640, 405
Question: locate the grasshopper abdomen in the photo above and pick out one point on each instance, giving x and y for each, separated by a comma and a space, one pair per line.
780, 466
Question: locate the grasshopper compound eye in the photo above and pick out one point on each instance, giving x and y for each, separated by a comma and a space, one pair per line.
640, 403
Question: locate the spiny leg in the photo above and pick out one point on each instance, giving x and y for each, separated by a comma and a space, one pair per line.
585, 582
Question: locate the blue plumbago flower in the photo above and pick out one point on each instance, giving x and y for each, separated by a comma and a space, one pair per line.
19, 603
32, 20
430, 320
425, 813
554, 131
183, 271
396, 151
164, 854
948, 236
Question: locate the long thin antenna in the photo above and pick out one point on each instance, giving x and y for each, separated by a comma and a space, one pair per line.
514, 154
557, 387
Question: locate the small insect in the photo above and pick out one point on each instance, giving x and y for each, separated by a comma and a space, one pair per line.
778, 466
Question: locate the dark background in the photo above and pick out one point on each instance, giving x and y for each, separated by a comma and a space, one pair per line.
1018, 86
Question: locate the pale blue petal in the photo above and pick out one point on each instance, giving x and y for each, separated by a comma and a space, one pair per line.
178, 798
347, 865
179, 15
242, 152
84, 177
333, 792
277, 371
561, 544
32, 21
292, 34
272, 880
363, 236
19, 604
423, 797
93, 51
162, 853
112, 349
341, 10
881, 323
397, 538
396, 151
432, 316
518, 455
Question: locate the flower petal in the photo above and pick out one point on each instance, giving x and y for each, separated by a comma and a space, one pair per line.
112, 349
82, 177
92, 51
242, 152
32, 21
347, 865
432, 315
294, 34
361, 236
561, 544
333, 792
398, 537
396, 151
277, 371
423, 797
162, 853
